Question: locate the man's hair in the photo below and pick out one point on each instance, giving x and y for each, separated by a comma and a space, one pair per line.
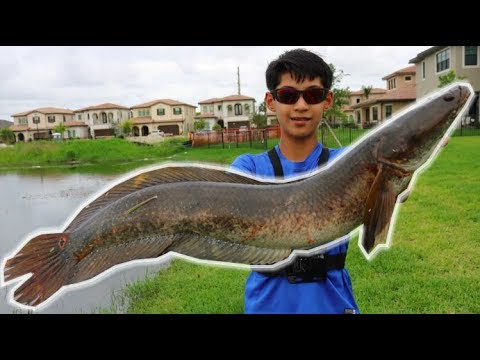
301, 64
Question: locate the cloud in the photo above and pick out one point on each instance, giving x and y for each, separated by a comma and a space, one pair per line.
74, 77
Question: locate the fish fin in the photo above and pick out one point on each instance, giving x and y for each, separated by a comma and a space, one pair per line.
378, 211
44, 256
207, 248
106, 257
164, 175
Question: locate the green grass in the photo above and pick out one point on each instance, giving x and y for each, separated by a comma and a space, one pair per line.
85, 152
433, 265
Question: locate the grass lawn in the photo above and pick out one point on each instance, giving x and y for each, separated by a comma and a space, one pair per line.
433, 265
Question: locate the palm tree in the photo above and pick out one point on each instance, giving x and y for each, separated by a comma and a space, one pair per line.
367, 90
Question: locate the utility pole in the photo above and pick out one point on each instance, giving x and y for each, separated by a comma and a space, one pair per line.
238, 79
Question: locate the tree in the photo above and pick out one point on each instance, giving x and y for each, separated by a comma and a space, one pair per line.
259, 120
448, 78
367, 90
340, 96
126, 127
199, 124
60, 128
7, 136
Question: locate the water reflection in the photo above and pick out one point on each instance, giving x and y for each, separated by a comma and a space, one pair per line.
44, 198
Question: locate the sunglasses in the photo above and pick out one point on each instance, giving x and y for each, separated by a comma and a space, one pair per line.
289, 95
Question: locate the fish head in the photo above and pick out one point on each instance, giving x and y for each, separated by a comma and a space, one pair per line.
413, 136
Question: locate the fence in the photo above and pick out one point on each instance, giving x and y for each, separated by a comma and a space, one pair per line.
269, 137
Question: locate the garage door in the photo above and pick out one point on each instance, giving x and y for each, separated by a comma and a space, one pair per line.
170, 129
104, 132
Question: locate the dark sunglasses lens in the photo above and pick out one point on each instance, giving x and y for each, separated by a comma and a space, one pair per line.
287, 96
314, 95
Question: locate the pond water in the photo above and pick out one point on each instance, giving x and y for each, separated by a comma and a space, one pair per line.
46, 198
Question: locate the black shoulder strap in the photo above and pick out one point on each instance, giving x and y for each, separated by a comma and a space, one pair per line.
323, 158
275, 160
277, 166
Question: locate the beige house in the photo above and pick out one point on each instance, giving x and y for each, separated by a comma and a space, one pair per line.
229, 112
40, 123
169, 116
102, 118
399, 94
439, 60
355, 97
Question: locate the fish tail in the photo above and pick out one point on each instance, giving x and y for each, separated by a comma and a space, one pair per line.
45, 257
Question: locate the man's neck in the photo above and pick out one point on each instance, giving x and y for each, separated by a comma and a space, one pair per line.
297, 149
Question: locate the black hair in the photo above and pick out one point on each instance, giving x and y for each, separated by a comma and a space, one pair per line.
301, 64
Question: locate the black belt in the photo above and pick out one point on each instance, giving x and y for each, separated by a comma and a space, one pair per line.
311, 268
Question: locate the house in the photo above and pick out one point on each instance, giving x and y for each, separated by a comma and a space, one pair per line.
229, 112
401, 92
358, 96
439, 60
102, 118
167, 115
271, 118
39, 124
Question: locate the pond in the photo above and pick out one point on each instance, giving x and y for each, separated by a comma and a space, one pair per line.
41, 199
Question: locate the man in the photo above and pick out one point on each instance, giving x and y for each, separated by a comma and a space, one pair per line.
298, 83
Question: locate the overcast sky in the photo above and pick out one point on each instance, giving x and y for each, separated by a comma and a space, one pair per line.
75, 77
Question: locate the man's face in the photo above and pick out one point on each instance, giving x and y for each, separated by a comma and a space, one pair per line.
298, 120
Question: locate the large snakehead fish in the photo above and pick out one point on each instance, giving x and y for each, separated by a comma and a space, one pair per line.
216, 214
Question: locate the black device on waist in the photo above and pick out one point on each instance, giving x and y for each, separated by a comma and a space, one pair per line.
306, 268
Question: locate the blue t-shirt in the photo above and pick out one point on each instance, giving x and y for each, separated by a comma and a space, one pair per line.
274, 294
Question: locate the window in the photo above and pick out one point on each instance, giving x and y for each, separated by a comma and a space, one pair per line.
219, 107
88, 116
95, 117
358, 100
443, 60
210, 109
388, 111
238, 109
64, 118
104, 118
358, 117
79, 116
408, 78
375, 113
471, 55
204, 109
247, 109
177, 110
423, 70
24, 121
392, 84
110, 117
51, 119
160, 111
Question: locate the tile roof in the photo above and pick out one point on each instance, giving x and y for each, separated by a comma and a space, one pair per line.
409, 70
405, 93
142, 120
103, 106
374, 91
163, 101
19, 127
46, 110
226, 98
425, 53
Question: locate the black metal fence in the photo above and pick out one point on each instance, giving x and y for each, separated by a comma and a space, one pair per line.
267, 138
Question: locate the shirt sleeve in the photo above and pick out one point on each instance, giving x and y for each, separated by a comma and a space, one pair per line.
244, 163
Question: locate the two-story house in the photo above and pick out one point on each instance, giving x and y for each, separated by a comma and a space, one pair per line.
355, 97
167, 115
399, 94
229, 112
102, 118
439, 60
40, 123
